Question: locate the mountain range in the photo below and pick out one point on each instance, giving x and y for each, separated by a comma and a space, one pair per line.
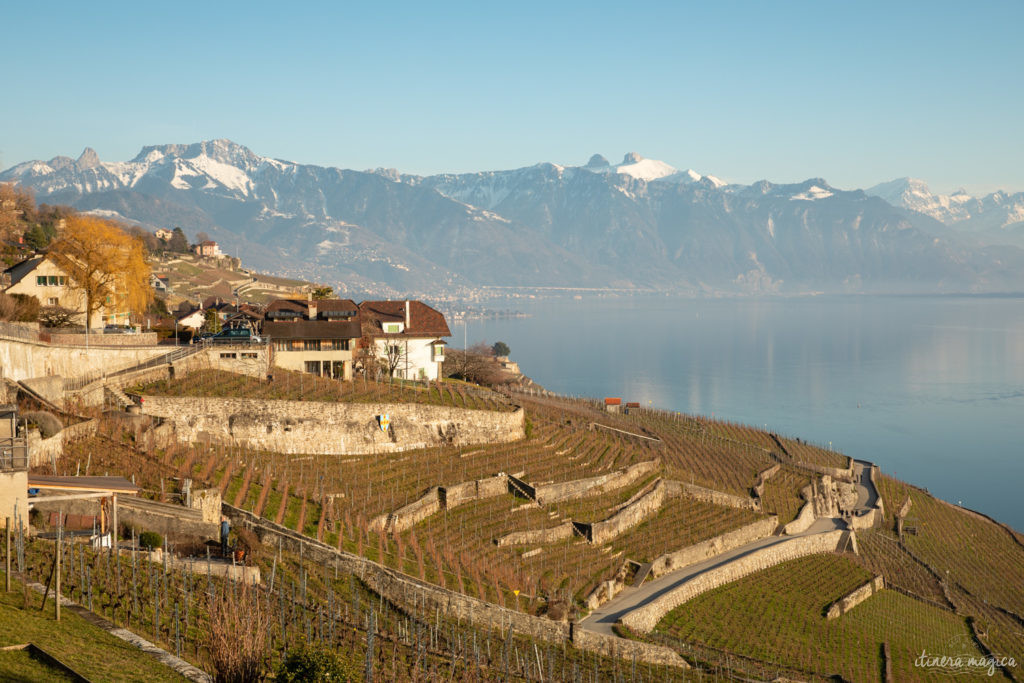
639, 224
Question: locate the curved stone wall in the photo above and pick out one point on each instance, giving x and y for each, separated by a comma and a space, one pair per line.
330, 428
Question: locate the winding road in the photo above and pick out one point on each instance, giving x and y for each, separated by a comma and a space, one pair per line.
602, 619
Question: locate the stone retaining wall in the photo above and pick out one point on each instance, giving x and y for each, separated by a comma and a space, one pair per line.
805, 518
712, 496
330, 428
644, 619
855, 597
566, 490
763, 477
423, 598
408, 515
44, 451
25, 359
626, 518
478, 489
550, 535
704, 550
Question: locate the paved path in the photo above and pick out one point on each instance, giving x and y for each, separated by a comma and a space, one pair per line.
604, 617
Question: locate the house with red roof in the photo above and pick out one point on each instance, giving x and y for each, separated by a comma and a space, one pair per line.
405, 338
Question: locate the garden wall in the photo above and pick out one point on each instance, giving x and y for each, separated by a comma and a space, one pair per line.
645, 618
330, 428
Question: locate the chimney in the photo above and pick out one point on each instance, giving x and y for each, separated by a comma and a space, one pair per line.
406, 315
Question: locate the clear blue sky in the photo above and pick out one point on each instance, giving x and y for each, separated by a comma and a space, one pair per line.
855, 92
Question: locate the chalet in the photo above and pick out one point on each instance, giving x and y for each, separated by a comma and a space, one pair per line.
407, 335
316, 336
50, 284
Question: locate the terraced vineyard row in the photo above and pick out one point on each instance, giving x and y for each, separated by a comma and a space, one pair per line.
296, 386
303, 603
975, 552
777, 615
782, 494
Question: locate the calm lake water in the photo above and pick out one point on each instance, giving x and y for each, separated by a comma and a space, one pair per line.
931, 389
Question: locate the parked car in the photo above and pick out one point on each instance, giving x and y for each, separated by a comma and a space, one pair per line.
235, 335
120, 329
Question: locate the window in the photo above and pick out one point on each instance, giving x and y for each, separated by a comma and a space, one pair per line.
392, 328
229, 355
51, 280
52, 301
313, 367
310, 344
336, 344
250, 355
61, 280
40, 280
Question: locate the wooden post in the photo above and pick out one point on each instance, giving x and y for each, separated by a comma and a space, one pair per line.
56, 589
113, 519
7, 571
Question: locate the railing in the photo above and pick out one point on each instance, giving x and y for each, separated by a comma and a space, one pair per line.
16, 331
79, 383
13, 455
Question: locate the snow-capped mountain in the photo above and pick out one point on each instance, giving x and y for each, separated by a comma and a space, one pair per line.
913, 194
996, 218
641, 223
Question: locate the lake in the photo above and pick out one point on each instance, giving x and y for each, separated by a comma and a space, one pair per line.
930, 388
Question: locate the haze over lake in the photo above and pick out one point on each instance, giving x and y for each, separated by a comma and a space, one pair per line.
930, 388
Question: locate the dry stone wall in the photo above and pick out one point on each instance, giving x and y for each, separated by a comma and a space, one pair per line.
328, 428
704, 550
44, 451
557, 533
408, 515
854, 598
805, 518
645, 618
706, 495
566, 490
627, 518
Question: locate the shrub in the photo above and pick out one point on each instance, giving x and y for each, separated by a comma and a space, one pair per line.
48, 423
151, 540
314, 663
528, 428
238, 636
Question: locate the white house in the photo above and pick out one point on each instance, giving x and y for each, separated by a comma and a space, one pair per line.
410, 333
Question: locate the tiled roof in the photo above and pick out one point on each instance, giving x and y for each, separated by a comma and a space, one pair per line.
424, 321
301, 306
312, 329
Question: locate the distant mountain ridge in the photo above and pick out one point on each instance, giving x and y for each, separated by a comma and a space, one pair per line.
638, 224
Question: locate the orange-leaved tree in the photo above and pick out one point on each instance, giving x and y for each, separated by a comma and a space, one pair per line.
107, 265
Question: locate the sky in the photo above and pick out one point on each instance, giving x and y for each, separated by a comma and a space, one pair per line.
855, 92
